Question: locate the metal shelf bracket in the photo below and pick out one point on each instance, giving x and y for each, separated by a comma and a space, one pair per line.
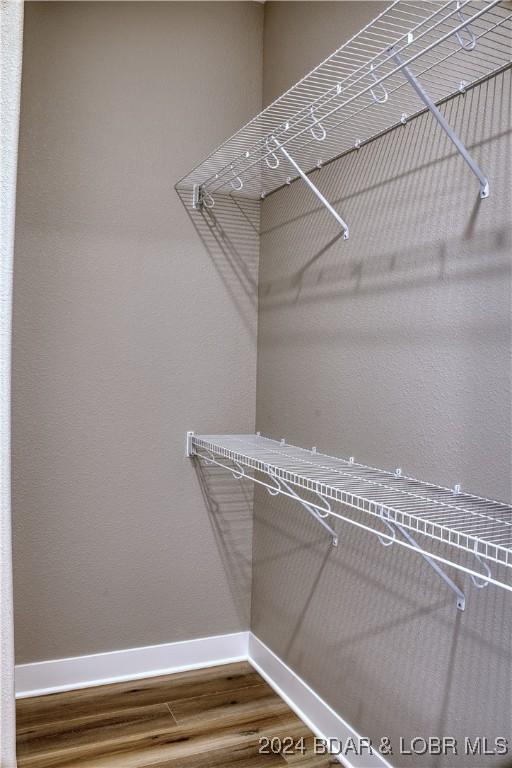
313, 510
189, 448
459, 145
312, 187
201, 198
391, 524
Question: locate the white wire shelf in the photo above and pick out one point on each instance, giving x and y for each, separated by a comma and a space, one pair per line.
389, 500
359, 92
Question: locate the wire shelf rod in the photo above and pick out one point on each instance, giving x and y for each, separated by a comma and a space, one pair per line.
348, 118
370, 479
378, 472
449, 33
370, 103
295, 88
376, 511
357, 94
457, 525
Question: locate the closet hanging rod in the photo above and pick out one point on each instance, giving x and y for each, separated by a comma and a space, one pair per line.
387, 502
452, 45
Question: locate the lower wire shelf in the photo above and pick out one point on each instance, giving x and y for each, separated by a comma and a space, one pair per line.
395, 506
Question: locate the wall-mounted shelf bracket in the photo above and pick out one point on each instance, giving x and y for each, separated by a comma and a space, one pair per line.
313, 510
312, 187
460, 146
461, 598
189, 450
201, 198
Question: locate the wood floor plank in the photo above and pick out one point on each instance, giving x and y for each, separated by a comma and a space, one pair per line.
317, 761
29, 731
228, 707
135, 693
211, 718
79, 732
245, 756
158, 746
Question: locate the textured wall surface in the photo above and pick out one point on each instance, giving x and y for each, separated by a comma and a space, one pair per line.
126, 331
393, 347
134, 323
11, 33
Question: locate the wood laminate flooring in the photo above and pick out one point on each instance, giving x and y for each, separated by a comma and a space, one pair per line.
207, 718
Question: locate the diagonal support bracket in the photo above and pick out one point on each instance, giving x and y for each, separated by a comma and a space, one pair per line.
461, 598
309, 508
460, 146
312, 187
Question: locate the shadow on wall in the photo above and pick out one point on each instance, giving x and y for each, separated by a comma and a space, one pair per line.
371, 175
393, 347
230, 507
230, 233
417, 300
352, 622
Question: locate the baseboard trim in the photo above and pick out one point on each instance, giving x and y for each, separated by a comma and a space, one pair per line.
44, 677
308, 705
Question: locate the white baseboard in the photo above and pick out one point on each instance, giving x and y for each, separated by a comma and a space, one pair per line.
312, 710
45, 677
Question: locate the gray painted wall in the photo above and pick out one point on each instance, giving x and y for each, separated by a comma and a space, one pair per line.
119, 311
133, 323
395, 348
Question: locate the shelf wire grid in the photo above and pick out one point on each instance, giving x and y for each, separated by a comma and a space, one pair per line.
360, 92
477, 525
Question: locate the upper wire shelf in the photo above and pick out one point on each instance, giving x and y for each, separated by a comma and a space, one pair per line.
358, 93
391, 501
